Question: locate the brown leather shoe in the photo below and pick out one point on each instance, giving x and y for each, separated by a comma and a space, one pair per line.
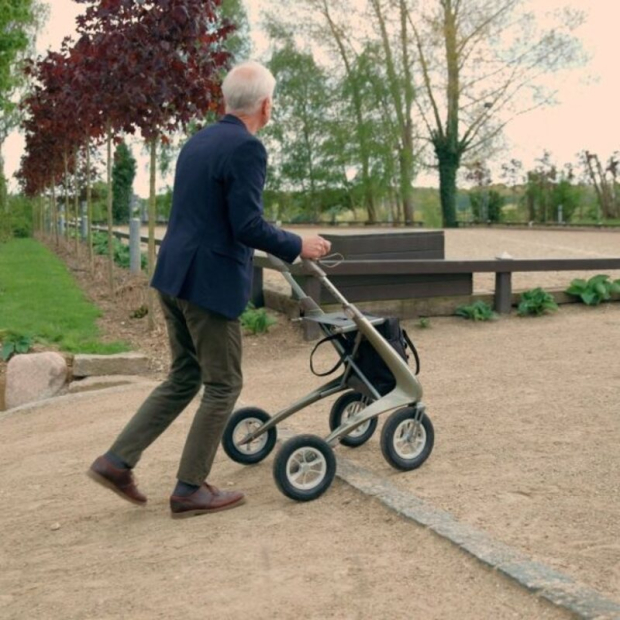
118, 480
206, 499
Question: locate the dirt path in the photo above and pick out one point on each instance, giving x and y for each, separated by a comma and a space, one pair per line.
527, 434
527, 428
71, 550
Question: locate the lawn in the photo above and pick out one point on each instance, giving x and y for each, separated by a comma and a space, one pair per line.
39, 299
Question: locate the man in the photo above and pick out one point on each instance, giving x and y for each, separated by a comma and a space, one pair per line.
203, 278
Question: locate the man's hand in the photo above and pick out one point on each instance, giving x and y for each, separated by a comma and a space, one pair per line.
314, 247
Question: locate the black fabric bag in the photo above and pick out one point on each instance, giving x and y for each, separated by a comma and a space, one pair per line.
368, 360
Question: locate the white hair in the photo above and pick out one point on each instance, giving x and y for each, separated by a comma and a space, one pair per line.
246, 87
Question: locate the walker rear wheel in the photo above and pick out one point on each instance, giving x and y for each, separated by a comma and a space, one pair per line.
304, 468
405, 442
345, 407
241, 423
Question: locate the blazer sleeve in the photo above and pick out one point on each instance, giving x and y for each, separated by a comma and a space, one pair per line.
247, 168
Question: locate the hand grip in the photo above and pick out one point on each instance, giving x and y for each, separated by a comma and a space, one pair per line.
312, 267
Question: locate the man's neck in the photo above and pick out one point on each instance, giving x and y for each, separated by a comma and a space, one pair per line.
251, 122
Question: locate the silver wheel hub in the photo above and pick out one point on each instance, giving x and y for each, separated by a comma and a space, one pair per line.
409, 439
245, 428
306, 468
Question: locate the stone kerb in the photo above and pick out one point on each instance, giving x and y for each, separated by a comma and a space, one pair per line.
34, 377
103, 365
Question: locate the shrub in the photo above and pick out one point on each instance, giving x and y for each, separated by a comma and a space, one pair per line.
536, 302
256, 320
13, 343
595, 290
478, 311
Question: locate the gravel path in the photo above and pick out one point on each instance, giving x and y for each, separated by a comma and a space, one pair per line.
74, 551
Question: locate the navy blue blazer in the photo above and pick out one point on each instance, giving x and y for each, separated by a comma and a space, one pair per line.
217, 220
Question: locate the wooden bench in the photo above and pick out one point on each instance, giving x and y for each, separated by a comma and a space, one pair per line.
405, 246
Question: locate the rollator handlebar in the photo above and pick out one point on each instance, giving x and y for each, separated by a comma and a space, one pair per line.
280, 265
310, 266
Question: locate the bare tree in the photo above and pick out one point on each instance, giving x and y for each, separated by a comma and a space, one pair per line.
482, 63
401, 90
604, 180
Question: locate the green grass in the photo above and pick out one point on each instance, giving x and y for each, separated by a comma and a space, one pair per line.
39, 299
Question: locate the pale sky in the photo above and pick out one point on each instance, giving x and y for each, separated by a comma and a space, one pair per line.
586, 117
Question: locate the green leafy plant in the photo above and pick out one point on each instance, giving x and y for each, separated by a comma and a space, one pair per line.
595, 290
13, 344
424, 322
256, 320
536, 302
139, 313
478, 311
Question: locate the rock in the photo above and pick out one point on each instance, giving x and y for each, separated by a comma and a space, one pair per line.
55, 527
34, 377
119, 364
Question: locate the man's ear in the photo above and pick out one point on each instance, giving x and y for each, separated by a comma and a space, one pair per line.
266, 106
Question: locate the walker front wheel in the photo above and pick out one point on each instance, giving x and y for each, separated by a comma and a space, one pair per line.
304, 468
241, 423
345, 407
406, 442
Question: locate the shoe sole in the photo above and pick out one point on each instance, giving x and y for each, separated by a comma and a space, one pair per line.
104, 482
204, 511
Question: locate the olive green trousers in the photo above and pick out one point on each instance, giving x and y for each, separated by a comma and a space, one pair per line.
205, 350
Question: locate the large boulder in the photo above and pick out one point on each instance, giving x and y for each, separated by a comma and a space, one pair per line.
34, 377
119, 364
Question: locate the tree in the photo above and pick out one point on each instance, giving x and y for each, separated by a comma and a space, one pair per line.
19, 20
401, 90
549, 190
481, 64
157, 66
123, 175
604, 179
300, 124
338, 37
238, 43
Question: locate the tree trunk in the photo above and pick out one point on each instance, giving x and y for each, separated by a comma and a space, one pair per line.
109, 205
54, 212
66, 163
359, 118
402, 99
41, 214
76, 204
152, 218
450, 156
406, 182
89, 208
448, 168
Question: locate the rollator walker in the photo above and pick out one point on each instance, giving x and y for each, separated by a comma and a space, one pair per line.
305, 465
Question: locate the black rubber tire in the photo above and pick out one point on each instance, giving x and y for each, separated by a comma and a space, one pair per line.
281, 464
231, 448
335, 420
389, 436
